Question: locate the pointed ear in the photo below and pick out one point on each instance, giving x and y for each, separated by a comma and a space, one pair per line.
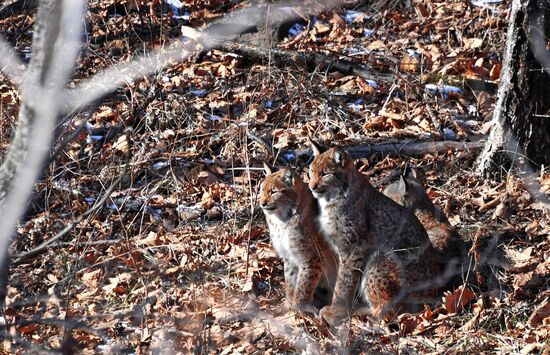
401, 185
411, 173
406, 170
288, 177
315, 148
267, 169
414, 173
339, 157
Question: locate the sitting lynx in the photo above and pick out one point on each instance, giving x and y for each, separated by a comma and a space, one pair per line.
290, 211
384, 252
451, 250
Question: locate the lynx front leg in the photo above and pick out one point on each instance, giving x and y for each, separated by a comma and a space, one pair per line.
309, 276
291, 276
349, 275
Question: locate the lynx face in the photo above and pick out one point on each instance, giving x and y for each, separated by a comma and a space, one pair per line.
290, 211
278, 196
330, 174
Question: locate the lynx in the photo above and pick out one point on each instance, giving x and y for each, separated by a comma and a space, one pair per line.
384, 253
451, 250
290, 211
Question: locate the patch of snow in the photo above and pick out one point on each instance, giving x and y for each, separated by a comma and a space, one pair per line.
449, 134
296, 29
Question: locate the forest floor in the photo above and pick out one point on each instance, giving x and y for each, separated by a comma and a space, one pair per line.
175, 256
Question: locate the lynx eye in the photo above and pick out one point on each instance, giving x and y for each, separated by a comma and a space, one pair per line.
276, 191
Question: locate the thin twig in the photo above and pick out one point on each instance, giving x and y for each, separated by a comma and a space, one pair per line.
42, 247
252, 199
91, 243
280, 158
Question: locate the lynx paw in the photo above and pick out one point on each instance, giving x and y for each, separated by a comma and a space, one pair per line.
332, 315
306, 308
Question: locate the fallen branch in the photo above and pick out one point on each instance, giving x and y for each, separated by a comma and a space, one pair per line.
282, 58
413, 149
408, 148
91, 243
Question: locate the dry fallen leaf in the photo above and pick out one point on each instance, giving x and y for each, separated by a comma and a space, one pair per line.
455, 220
409, 323
152, 239
521, 261
121, 144
483, 206
541, 315
410, 63
207, 200
376, 46
455, 301
28, 329
500, 211
472, 43
91, 278
494, 74
118, 284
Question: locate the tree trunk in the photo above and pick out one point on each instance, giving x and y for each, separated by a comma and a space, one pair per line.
43, 35
41, 55
521, 122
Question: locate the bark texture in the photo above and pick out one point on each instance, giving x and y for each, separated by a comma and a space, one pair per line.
521, 126
44, 34
46, 30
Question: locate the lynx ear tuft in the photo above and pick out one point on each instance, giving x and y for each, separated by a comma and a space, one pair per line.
411, 174
339, 157
315, 148
288, 177
406, 170
267, 169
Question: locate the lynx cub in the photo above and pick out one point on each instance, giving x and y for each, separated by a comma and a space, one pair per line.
290, 211
384, 253
451, 250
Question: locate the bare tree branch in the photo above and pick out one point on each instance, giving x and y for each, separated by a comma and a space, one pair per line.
41, 90
212, 36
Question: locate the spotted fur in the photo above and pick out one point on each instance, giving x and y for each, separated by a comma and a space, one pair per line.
385, 255
290, 212
451, 249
